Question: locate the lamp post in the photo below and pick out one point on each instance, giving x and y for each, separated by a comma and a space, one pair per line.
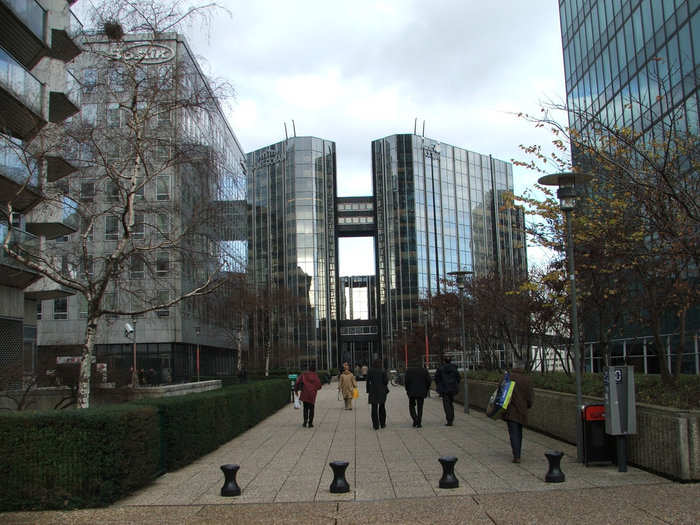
130, 333
566, 182
196, 331
461, 277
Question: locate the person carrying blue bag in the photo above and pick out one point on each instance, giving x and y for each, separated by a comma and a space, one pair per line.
515, 415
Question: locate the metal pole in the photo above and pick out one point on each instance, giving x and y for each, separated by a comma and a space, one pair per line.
574, 335
135, 375
464, 353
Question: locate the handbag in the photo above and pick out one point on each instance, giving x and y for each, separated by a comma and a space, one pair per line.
355, 393
501, 397
297, 403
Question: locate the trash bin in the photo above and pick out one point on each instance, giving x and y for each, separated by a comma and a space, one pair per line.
597, 445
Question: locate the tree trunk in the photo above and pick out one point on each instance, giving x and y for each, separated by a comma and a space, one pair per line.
83, 397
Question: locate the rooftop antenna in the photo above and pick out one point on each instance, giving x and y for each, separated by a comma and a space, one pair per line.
424, 129
294, 128
286, 135
415, 126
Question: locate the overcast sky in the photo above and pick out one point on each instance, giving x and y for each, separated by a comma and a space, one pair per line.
353, 71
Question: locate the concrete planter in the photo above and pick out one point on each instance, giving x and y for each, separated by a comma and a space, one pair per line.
667, 441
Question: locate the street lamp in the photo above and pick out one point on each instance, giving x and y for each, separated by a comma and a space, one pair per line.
129, 333
196, 331
461, 277
566, 182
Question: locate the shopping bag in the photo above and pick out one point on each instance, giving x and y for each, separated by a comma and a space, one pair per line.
355, 393
500, 399
297, 404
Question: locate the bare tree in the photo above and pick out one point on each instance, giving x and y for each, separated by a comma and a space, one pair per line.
151, 168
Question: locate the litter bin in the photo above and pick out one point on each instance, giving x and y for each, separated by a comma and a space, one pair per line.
597, 445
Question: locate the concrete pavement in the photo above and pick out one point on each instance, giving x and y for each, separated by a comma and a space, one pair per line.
393, 476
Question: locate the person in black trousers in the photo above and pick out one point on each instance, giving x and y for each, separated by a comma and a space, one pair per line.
417, 383
377, 389
447, 385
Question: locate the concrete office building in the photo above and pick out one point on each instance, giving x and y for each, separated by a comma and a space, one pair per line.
648, 52
190, 160
37, 90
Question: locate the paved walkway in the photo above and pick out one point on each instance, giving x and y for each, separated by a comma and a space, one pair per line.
393, 476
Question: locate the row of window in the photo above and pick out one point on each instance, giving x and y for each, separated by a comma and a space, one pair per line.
113, 192
111, 301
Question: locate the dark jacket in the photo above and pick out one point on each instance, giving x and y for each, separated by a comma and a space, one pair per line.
521, 399
377, 382
309, 384
447, 379
417, 381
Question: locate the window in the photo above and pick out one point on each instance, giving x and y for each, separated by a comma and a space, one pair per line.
163, 298
60, 308
89, 113
163, 151
116, 79
89, 80
82, 307
67, 268
163, 224
137, 303
114, 115
87, 191
111, 227
111, 302
86, 268
39, 309
112, 152
139, 191
162, 264
163, 188
163, 116
137, 268
139, 228
112, 191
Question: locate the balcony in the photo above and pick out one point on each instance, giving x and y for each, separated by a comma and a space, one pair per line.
53, 218
12, 273
63, 41
20, 99
46, 289
19, 178
57, 168
22, 25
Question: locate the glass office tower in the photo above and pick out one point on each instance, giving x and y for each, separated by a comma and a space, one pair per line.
292, 254
616, 51
439, 209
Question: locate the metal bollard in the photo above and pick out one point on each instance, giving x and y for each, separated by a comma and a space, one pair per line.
554, 474
230, 487
339, 483
448, 479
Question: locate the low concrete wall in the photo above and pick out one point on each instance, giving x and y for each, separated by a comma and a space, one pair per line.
667, 440
47, 398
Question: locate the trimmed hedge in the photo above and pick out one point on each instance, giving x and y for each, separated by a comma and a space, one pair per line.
93, 457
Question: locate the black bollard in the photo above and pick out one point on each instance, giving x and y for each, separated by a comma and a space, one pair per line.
448, 479
230, 487
554, 474
339, 483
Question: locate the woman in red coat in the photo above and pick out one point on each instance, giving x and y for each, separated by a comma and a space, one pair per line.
308, 383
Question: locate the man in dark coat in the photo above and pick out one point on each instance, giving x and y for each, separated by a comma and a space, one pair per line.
521, 400
309, 384
417, 383
447, 385
377, 390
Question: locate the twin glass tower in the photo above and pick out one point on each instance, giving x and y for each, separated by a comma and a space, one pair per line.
435, 208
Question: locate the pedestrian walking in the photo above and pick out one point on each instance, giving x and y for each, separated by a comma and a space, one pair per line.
417, 384
447, 385
521, 400
308, 384
347, 385
377, 389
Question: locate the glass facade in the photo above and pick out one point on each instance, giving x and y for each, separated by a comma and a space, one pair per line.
617, 51
439, 209
292, 247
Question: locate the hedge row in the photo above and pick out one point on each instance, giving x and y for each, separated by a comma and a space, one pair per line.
91, 458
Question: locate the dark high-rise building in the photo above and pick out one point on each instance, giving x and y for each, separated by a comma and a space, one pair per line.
292, 248
617, 51
635, 64
439, 208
